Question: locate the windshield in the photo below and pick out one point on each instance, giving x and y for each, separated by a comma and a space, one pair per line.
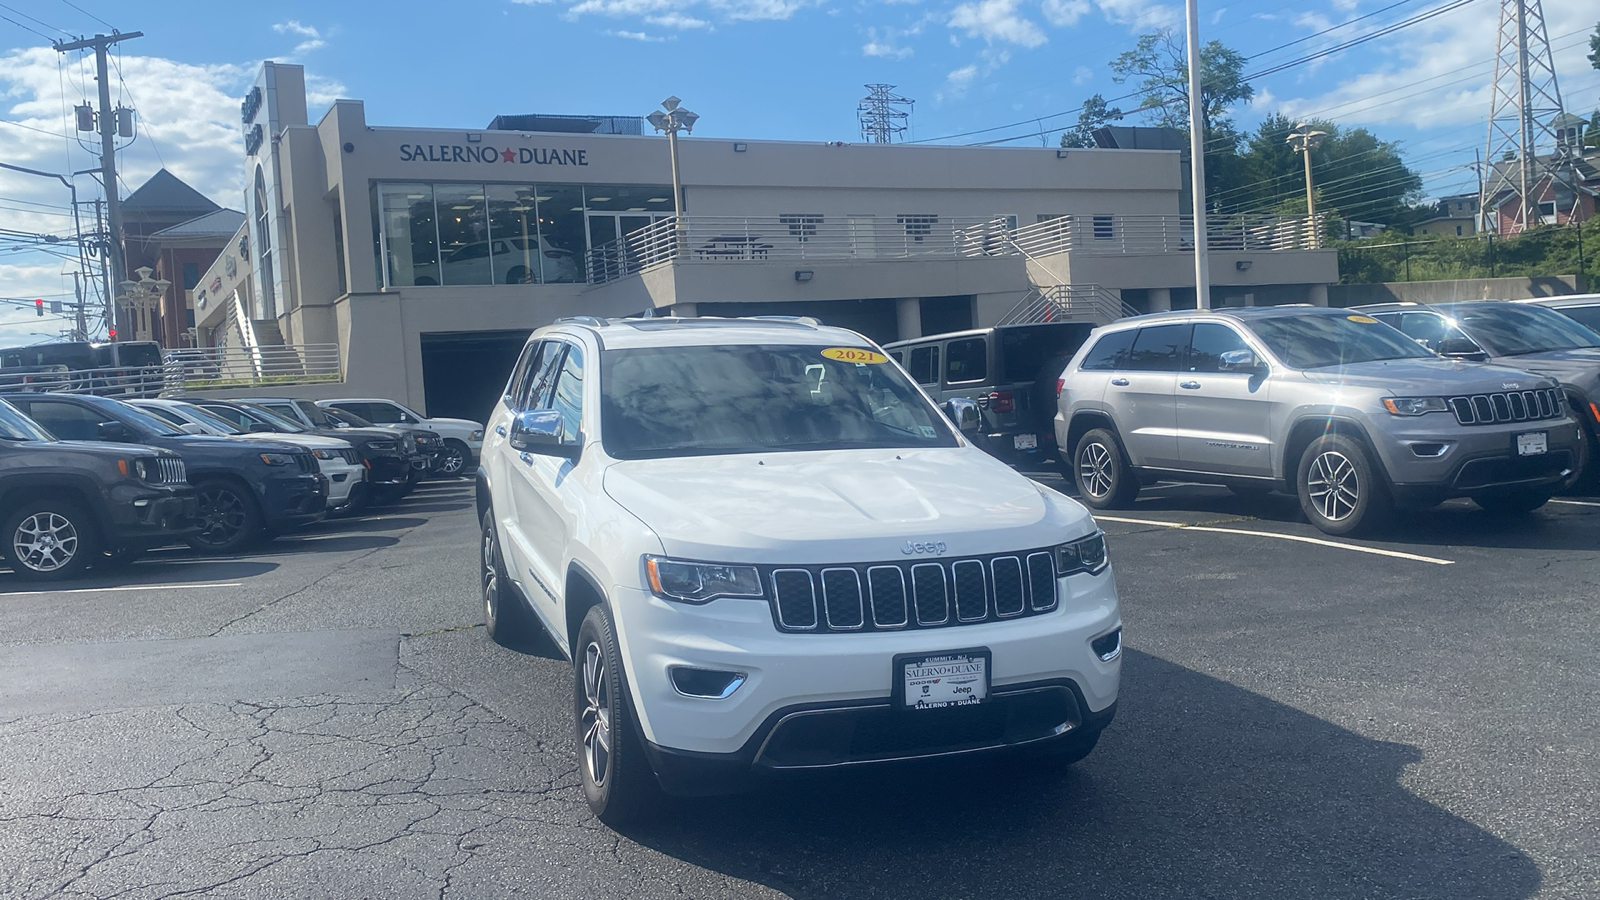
279, 422
705, 400
210, 419
316, 414
1513, 329
1316, 341
140, 419
14, 426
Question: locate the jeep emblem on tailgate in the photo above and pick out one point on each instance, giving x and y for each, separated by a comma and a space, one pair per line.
937, 548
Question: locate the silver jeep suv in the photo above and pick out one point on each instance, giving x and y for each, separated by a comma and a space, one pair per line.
1336, 407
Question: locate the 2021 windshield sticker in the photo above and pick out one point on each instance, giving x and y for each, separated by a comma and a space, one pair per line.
855, 355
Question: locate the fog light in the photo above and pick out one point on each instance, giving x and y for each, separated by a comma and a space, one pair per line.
141, 503
1428, 451
1107, 646
710, 684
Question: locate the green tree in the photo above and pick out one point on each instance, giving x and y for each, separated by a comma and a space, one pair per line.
1095, 113
1364, 178
1160, 67
1594, 47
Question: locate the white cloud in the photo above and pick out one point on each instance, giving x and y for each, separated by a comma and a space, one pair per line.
679, 10
1140, 15
1063, 13
960, 79
1082, 75
314, 39
678, 21
884, 44
997, 21
638, 36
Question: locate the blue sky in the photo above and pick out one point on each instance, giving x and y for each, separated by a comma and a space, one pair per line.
787, 69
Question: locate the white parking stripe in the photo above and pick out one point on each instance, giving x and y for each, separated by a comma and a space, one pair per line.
127, 587
1576, 502
1283, 537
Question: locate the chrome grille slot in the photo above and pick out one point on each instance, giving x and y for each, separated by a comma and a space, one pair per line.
172, 471
350, 456
972, 590
930, 593
1519, 406
841, 599
1042, 581
888, 584
1009, 598
1512, 406
1502, 407
796, 598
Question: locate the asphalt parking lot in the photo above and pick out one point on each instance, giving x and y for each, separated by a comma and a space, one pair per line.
1301, 716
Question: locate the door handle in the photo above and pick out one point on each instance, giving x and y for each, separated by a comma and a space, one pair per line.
1120, 382
500, 430
1189, 385
526, 457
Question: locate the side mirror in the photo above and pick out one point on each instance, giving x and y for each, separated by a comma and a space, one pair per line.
963, 413
191, 428
408, 420
1461, 348
540, 431
113, 431
1240, 361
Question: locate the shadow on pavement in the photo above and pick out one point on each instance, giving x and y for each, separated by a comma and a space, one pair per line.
1199, 789
363, 524
333, 543
162, 567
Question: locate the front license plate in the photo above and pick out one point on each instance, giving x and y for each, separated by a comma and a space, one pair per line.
959, 678
1533, 443
1026, 442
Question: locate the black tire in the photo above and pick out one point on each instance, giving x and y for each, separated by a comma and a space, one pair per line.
503, 616
230, 519
616, 776
1513, 503
1340, 489
453, 462
50, 540
518, 275
1585, 478
1101, 471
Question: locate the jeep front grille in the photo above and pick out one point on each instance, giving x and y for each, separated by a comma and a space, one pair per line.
351, 456
1512, 406
889, 596
172, 471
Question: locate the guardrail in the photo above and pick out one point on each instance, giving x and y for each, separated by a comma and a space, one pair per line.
185, 370
1069, 303
797, 238
1106, 235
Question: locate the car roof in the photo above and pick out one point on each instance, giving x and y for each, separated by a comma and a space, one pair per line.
1237, 313
1566, 301
615, 334
975, 332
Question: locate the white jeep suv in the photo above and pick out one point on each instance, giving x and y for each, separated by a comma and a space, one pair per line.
463, 438
757, 570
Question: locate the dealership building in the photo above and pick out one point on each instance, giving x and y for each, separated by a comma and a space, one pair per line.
420, 258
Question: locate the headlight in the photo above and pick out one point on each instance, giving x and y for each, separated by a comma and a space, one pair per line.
148, 469
326, 454
694, 582
1414, 406
1085, 555
475, 436
277, 459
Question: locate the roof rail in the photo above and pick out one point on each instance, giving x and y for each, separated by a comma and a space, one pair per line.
795, 320
594, 321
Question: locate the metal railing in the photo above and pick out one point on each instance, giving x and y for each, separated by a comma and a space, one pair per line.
1107, 235
797, 238
1068, 303
192, 369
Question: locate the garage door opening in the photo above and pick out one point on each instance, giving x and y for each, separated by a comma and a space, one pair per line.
464, 372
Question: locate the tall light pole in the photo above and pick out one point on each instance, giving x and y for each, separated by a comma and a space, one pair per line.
141, 298
1197, 160
673, 120
1303, 139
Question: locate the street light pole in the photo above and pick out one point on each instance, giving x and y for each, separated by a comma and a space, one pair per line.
1303, 138
1197, 160
673, 120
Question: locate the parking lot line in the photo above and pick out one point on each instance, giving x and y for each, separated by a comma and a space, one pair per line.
127, 587
1284, 537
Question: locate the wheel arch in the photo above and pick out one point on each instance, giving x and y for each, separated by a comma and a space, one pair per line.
1085, 421
80, 491
581, 593
1308, 429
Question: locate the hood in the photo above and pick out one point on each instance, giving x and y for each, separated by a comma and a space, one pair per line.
841, 506
357, 435
467, 424
309, 441
1428, 377
1579, 367
249, 442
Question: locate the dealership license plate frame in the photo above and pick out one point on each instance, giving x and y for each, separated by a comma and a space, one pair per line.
1025, 442
902, 675
1532, 443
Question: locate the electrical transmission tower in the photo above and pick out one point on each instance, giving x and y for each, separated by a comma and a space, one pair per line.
881, 118
1523, 101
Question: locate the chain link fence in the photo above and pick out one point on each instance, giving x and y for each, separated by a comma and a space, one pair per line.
1561, 250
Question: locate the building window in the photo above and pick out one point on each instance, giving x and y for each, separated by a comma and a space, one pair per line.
463, 234
1458, 231
1547, 211
1104, 229
191, 275
802, 225
267, 307
917, 226
411, 237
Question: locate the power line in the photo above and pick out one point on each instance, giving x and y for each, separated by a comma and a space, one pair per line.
29, 127
26, 28
1324, 31
89, 14
32, 19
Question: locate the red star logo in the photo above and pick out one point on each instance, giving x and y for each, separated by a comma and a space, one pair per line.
508, 155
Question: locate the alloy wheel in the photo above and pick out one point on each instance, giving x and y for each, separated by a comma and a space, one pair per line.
1094, 469
222, 516
491, 579
44, 542
1333, 485
596, 719
455, 459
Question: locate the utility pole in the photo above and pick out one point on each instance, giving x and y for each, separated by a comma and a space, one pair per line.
1197, 161
105, 272
1524, 98
107, 121
82, 333
1303, 138
881, 118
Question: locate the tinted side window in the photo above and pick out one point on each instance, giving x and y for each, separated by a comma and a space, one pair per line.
536, 393
1159, 348
899, 356
1588, 316
567, 398
376, 413
924, 366
232, 416
1209, 342
966, 360
1110, 352
67, 421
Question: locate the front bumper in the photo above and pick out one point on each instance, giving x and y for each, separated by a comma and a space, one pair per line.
1431, 458
394, 469
342, 478
149, 516
789, 671
292, 500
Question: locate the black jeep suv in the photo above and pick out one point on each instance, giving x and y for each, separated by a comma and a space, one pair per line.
65, 505
248, 488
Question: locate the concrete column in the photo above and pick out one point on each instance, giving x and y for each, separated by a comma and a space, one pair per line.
685, 310
1160, 299
908, 312
1317, 295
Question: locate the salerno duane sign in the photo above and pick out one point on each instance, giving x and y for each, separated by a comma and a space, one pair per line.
486, 153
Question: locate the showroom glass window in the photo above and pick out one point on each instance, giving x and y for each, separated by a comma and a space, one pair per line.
463, 234
411, 236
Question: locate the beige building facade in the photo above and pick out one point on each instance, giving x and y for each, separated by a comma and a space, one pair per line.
426, 255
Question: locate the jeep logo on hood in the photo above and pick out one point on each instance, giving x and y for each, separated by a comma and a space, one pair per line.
936, 548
